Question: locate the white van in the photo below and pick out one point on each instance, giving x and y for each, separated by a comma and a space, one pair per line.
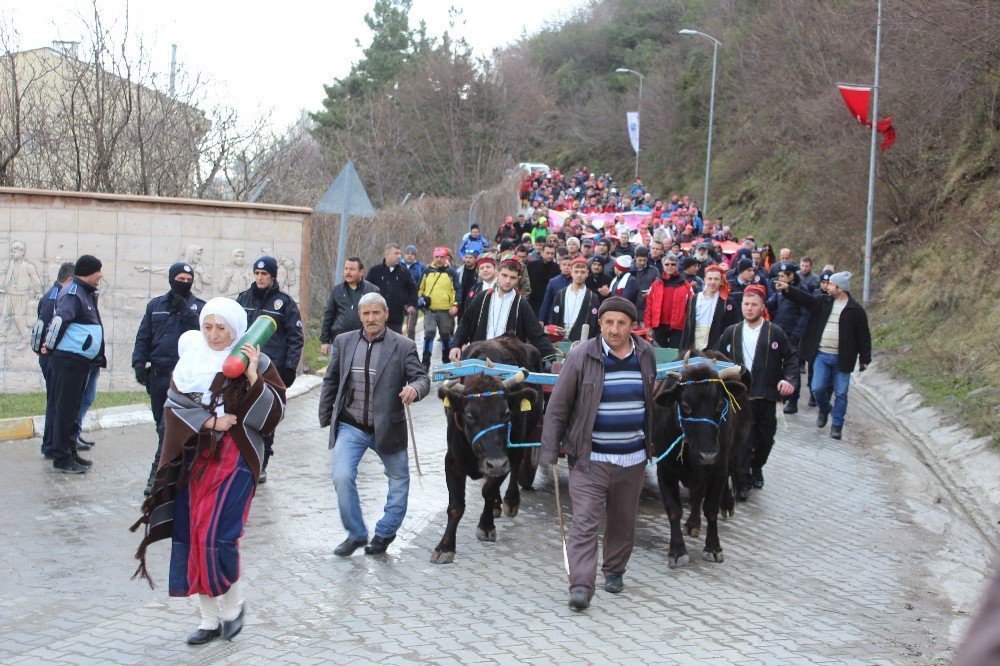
532, 167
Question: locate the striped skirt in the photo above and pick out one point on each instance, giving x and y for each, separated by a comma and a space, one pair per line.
210, 511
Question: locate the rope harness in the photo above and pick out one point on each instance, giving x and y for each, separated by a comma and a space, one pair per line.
510, 444
693, 419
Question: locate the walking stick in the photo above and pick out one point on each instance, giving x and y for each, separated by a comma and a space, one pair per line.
562, 525
413, 438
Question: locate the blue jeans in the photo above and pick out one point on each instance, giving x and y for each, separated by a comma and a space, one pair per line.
826, 376
350, 446
89, 395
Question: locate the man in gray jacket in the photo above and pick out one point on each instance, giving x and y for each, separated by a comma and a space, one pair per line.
372, 371
341, 314
598, 417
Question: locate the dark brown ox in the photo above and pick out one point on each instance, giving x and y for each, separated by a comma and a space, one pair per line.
693, 406
482, 413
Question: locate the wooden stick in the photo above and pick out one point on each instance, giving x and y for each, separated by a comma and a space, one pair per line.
413, 438
562, 525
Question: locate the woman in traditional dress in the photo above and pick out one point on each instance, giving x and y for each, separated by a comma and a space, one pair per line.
212, 452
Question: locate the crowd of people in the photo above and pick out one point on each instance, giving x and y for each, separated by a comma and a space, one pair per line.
619, 271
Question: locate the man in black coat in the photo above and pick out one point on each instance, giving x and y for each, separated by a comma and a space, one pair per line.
790, 316
264, 297
155, 353
46, 309
341, 314
836, 337
763, 349
396, 286
576, 306
498, 310
540, 273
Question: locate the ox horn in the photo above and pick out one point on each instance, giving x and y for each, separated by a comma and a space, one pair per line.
516, 378
687, 357
733, 372
489, 362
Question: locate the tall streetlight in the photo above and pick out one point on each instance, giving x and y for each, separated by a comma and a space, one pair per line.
624, 70
711, 110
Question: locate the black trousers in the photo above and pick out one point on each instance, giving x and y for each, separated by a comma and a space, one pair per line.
43, 363
157, 387
760, 436
667, 337
397, 327
69, 374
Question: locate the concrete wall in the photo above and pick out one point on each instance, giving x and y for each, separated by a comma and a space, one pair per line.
136, 238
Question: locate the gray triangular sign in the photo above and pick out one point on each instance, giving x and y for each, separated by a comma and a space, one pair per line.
347, 183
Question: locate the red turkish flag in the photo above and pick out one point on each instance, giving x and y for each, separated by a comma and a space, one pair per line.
857, 98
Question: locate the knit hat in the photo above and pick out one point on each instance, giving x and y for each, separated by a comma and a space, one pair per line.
825, 276
266, 263
619, 304
688, 262
86, 265
787, 267
743, 264
410, 248
623, 263
842, 280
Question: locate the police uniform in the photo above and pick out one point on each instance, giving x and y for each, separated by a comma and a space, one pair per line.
285, 346
75, 341
155, 354
46, 309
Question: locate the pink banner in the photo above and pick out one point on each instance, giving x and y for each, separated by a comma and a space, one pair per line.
632, 219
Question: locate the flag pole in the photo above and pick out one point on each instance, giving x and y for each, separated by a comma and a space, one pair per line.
866, 295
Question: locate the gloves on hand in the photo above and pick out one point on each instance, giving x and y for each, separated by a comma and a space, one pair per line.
287, 376
142, 375
177, 301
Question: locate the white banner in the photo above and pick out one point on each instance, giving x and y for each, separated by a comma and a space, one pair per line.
632, 118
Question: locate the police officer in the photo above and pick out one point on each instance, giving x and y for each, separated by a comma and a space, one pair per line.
74, 341
46, 309
285, 346
155, 353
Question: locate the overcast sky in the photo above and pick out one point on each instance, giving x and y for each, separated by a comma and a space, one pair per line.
271, 55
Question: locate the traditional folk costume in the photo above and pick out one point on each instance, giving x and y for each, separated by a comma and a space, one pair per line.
206, 479
574, 309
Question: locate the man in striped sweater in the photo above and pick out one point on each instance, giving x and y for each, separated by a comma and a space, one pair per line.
597, 417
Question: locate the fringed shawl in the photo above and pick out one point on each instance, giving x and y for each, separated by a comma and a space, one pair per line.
258, 408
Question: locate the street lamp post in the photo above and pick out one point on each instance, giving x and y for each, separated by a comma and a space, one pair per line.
711, 111
623, 70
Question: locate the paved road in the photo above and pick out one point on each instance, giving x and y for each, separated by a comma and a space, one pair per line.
844, 558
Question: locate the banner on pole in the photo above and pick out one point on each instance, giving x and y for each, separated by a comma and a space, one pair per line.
632, 118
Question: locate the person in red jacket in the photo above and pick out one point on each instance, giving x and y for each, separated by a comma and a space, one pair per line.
666, 305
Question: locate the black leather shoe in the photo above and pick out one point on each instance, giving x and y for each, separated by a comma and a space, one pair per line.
232, 627
82, 461
836, 431
89, 443
71, 467
202, 636
613, 583
791, 407
812, 401
263, 477
349, 546
579, 599
82, 445
821, 419
757, 478
743, 494
379, 544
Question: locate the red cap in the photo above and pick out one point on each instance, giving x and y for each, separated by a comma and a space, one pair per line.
486, 260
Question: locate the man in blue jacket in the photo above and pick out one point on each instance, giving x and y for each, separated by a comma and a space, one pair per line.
46, 309
73, 340
155, 354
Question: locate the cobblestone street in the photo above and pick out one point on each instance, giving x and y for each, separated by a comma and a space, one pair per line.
849, 555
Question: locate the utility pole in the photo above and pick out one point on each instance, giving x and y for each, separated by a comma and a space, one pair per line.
173, 68
870, 223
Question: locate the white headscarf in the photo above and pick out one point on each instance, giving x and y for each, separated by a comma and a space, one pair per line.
199, 363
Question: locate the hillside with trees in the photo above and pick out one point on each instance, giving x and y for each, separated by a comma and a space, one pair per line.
420, 113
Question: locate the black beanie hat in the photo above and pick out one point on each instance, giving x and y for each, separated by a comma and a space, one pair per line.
86, 265
688, 262
619, 304
178, 268
266, 263
743, 265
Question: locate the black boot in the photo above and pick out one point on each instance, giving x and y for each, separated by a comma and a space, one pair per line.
149, 481
791, 407
445, 348
428, 350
